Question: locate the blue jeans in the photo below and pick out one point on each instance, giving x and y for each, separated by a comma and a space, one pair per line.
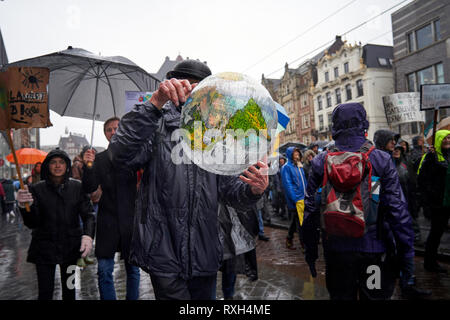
106, 281
261, 223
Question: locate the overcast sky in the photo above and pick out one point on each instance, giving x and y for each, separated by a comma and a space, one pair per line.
230, 35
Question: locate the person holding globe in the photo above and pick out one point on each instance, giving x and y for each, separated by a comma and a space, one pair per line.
176, 235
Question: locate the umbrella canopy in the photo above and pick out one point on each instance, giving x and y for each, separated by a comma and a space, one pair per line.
27, 156
85, 85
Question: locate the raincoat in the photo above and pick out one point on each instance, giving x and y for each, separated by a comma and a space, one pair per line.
434, 173
348, 133
176, 229
294, 180
55, 217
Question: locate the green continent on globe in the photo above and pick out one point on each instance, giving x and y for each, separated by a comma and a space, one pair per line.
250, 117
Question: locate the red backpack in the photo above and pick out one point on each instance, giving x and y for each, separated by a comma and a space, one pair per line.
350, 194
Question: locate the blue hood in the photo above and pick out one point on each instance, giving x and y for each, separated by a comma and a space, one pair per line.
289, 153
349, 126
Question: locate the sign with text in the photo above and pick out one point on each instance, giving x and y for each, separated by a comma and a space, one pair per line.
402, 108
135, 97
434, 96
24, 98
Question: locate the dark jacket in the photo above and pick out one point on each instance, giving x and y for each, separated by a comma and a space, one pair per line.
433, 172
349, 125
294, 180
55, 217
176, 231
116, 207
413, 163
382, 137
8, 187
77, 173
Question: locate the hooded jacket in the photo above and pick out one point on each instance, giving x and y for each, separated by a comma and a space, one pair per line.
294, 180
54, 217
176, 229
432, 174
382, 137
348, 131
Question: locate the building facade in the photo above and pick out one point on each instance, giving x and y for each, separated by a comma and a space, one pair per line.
73, 144
421, 33
353, 73
294, 92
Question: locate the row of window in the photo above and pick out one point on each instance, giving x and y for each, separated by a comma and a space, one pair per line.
336, 72
348, 92
424, 36
429, 75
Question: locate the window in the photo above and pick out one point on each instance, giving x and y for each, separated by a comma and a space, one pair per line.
411, 45
439, 73
424, 37
359, 86
425, 76
338, 95
328, 99
305, 121
321, 122
383, 62
327, 77
411, 82
437, 30
319, 103
336, 72
348, 91
346, 67
330, 120
429, 75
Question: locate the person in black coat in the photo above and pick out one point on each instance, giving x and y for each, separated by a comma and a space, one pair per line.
115, 218
434, 184
175, 234
56, 204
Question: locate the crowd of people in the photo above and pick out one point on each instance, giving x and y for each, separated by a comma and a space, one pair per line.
181, 224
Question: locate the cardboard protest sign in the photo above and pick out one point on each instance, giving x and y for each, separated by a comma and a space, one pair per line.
24, 98
434, 96
402, 108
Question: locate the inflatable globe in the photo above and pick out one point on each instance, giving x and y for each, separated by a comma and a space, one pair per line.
229, 123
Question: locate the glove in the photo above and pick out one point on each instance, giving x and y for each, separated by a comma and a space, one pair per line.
300, 204
24, 196
86, 245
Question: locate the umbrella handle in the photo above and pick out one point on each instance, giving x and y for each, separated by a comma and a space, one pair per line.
90, 164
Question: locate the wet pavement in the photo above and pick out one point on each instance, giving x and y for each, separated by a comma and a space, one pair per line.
283, 274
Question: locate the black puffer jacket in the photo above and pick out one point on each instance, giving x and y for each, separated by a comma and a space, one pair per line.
55, 217
176, 230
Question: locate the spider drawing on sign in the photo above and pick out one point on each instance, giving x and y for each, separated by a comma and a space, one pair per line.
31, 79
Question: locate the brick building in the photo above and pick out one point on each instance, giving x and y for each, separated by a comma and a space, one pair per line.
421, 32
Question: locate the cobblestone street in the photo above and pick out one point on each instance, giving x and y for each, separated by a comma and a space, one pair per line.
283, 274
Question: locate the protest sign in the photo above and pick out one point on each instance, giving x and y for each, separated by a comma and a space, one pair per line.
434, 96
24, 98
402, 108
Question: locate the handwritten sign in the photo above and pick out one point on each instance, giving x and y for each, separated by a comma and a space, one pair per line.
402, 108
434, 96
135, 97
24, 98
